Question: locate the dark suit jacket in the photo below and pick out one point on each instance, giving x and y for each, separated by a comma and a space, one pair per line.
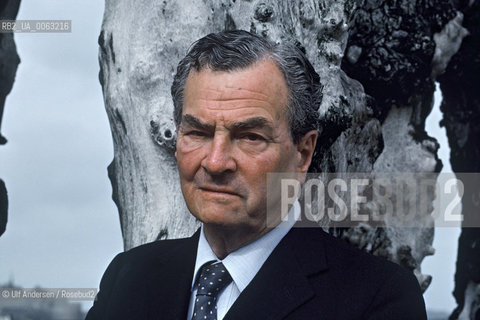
309, 275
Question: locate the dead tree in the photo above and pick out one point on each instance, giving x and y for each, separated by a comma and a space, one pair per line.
377, 61
9, 61
461, 115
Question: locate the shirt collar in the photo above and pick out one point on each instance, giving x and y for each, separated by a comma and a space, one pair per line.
244, 263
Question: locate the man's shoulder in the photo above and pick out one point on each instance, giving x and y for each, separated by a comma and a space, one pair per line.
371, 286
342, 252
154, 246
128, 278
347, 262
131, 265
145, 257
158, 250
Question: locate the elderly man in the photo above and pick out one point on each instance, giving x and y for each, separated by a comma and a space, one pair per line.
245, 107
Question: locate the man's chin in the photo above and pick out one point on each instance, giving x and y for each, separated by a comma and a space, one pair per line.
221, 219
228, 210
210, 220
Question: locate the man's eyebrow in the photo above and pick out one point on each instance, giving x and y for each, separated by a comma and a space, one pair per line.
196, 123
252, 123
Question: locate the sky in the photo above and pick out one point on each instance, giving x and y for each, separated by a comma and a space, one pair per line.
63, 227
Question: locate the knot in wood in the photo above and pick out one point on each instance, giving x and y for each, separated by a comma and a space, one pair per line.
263, 12
164, 134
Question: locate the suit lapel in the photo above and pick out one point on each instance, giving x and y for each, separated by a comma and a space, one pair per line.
282, 283
170, 282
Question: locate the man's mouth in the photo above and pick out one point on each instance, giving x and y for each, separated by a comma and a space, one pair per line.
219, 190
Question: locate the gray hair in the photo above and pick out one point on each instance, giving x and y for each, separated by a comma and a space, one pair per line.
236, 50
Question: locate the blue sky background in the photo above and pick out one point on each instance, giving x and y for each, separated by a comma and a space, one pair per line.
63, 228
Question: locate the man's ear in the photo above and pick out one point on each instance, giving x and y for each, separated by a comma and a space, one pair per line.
305, 148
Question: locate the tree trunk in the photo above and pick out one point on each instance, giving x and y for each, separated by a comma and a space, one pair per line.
387, 46
9, 61
137, 69
461, 114
396, 49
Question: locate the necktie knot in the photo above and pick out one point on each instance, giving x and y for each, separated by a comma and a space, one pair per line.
213, 278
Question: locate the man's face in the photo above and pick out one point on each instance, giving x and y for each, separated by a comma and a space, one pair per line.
234, 130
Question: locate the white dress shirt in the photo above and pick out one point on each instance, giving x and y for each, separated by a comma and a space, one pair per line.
242, 264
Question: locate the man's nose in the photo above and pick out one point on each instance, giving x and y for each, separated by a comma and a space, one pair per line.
219, 158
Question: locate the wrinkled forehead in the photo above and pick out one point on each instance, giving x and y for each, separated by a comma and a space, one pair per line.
260, 85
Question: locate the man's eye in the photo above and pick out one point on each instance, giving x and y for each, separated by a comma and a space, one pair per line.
196, 133
252, 137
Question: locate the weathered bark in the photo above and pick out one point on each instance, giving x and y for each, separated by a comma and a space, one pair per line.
9, 61
139, 51
394, 51
461, 114
137, 70
391, 51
